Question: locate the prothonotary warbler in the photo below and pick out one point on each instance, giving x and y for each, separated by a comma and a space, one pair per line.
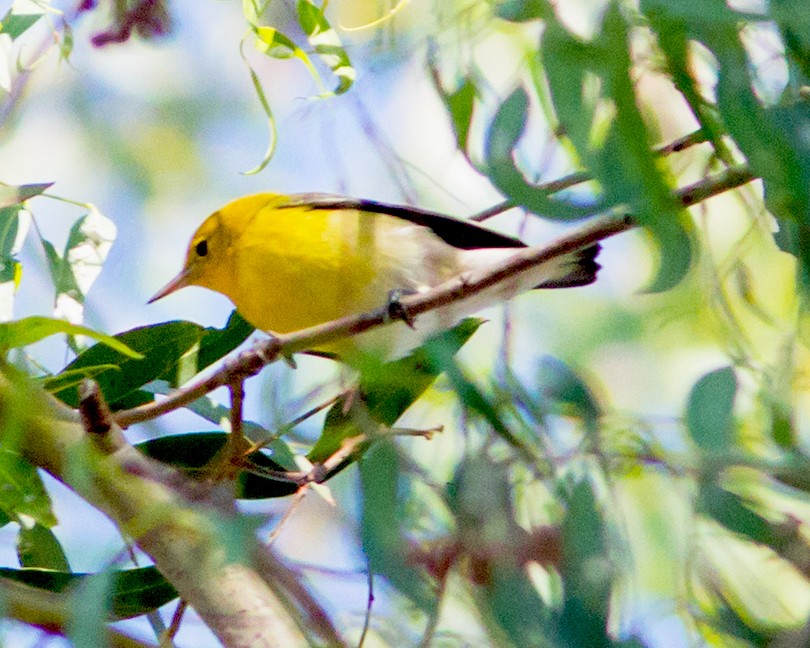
292, 261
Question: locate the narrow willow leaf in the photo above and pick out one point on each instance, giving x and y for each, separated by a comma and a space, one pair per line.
326, 43
710, 411
383, 544
271, 120
133, 592
29, 330
22, 493
193, 452
37, 547
14, 195
502, 137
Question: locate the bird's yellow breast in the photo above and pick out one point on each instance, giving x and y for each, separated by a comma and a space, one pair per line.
292, 267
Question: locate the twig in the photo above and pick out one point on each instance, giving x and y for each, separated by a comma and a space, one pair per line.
369, 605
268, 351
579, 177
97, 419
174, 627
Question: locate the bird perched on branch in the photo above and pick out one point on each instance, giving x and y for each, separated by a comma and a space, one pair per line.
291, 262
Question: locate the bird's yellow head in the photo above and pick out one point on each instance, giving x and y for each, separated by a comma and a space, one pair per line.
210, 256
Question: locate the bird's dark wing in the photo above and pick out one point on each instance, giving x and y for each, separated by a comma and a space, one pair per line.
465, 235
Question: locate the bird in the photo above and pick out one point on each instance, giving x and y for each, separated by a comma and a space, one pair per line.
288, 262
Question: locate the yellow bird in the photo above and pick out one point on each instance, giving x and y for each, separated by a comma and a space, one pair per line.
290, 262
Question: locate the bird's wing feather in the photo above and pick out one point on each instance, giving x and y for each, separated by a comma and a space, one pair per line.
461, 234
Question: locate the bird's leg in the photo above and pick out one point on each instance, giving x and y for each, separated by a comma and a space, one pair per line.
395, 310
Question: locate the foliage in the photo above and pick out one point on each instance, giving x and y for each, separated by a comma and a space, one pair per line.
557, 508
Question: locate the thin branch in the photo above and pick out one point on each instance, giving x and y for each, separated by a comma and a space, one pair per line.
268, 351
580, 177
369, 605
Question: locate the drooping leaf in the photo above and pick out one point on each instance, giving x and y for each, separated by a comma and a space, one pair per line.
501, 139
586, 571
193, 452
271, 120
38, 548
710, 411
29, 330
730, 510
385, 548
611, 137
134, 591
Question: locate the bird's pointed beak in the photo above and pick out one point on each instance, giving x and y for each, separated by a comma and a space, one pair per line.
180, 281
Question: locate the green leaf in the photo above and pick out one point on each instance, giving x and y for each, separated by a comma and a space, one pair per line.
385, 548
271, 120
389, 389
501, 139
565, 392
193, 452
586, 571
522, 10
22, 492
29, 330
710, 411
38, 547
15, 25
611, 137
173, 351
459, 105
134, 591
731, 511
326, 43
11, 195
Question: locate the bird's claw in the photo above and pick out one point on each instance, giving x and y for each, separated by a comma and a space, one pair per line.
395, 310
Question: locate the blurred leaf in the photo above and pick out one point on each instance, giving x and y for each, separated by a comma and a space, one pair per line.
586, 570
66, 42
611, 137
326, 43
192, 452
22, 492
731, 511
459, 105
134, 591
271, 120
38, 547
710, 411
173, 351
565, 393
14, 195
522, 10
794, 23
29, 330
501, 139
90, 608
15, 25
385, 547
389, 389
14, 225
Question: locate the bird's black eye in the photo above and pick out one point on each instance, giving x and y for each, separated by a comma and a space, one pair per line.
201, 248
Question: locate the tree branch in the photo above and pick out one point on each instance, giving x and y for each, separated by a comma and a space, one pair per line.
182, 525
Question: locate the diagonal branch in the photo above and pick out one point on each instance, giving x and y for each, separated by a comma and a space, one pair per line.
269, 351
